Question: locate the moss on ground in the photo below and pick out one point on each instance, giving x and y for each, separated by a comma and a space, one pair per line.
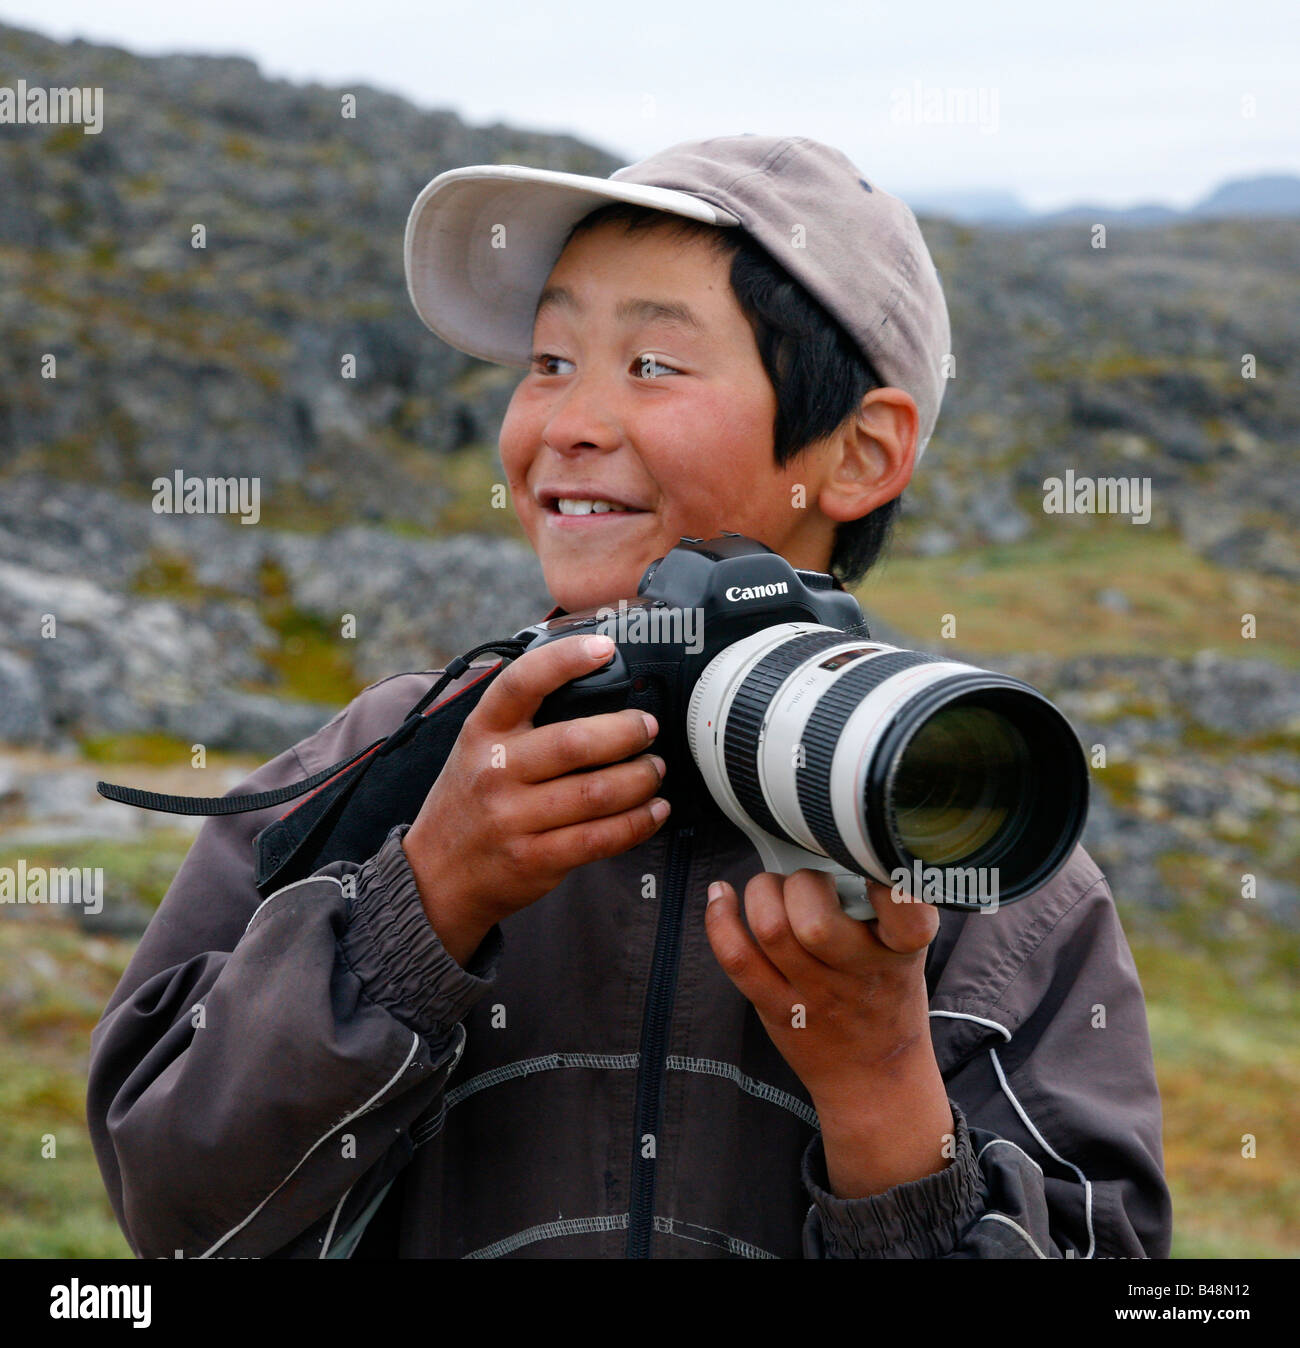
54, 984
478, 497
137, 871
1041, 595
313, 660
1227, 1055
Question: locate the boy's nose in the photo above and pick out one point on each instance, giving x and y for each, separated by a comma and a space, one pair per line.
583, 417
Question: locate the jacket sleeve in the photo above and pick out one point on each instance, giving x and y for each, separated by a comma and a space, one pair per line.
1057, 1145
256, 1077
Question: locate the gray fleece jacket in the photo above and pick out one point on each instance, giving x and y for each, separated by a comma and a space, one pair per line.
313, 1075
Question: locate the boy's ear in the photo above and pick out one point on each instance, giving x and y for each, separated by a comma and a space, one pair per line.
871, 457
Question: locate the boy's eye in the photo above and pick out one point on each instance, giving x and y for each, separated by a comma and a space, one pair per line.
542, 361
648, 367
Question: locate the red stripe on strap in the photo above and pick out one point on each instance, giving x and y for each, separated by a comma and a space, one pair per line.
363, 757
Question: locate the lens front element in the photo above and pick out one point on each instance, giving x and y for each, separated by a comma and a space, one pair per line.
959, 783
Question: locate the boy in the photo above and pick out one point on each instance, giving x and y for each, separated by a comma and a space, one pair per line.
521, 1027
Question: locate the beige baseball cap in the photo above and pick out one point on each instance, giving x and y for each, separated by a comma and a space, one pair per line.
481, 241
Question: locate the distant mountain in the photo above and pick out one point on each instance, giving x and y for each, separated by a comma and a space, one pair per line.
1272, 196
1148, 213
971, 207
1277, 194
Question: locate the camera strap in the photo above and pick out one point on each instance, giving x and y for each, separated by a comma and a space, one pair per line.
353, 804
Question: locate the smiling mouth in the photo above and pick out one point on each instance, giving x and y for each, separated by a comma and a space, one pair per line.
581, 507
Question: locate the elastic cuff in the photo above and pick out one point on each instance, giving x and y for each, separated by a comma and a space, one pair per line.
397, 955
922, 1219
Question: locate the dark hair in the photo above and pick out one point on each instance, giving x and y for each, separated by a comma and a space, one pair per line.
817, 372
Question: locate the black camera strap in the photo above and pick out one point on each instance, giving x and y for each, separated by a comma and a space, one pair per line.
354, 803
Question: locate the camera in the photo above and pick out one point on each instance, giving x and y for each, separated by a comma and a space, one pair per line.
952, 784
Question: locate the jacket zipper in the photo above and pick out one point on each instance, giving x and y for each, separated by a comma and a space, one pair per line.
654, 1041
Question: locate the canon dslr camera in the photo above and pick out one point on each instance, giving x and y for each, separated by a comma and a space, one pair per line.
951, 784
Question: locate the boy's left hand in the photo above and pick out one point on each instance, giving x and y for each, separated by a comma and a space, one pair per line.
861, 1043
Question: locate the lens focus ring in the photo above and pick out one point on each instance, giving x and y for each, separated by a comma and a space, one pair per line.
822, 735
749, 705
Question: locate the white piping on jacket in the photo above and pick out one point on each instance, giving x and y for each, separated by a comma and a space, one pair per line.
672, 1226
565, 1226
334, 1221
550, 1062
581, 1226
772, 1094
979, 1020
356, 1113
1015, 1226
546, 1062
1042, 1142
310, 880
1007, 1142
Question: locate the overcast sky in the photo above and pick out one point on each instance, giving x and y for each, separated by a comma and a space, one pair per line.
1109, 101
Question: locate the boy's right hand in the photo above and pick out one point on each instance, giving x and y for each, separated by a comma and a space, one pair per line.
511, 813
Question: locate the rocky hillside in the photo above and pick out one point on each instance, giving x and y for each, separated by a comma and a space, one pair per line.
1123, 361
228, 358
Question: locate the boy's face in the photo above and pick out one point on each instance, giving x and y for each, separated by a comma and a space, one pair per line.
631, 401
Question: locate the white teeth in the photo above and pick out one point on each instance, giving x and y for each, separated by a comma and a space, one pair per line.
570, 506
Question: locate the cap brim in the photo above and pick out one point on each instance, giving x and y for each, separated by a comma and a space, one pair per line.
481, 241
